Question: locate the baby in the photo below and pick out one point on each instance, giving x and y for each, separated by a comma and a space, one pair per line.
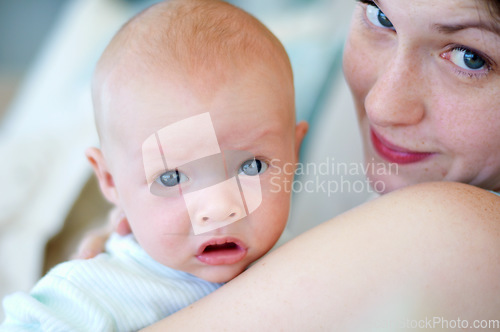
194, 106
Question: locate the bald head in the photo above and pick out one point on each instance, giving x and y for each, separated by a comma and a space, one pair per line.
199, 40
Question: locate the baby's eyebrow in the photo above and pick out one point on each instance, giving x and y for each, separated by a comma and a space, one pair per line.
252, 140
152, 154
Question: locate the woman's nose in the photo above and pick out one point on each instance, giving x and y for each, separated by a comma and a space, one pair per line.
397, 96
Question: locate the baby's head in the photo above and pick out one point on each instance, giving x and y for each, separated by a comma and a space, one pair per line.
194, 107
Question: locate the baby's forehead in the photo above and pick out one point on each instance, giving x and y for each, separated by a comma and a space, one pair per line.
194, 136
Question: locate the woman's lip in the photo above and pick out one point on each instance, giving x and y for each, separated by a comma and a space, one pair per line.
394, 153
222, 257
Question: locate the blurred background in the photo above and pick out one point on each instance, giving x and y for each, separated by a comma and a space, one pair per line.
48, 49
24, 26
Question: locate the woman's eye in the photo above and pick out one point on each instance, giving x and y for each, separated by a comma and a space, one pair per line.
467, 59
171, 178
377, 17
253, 167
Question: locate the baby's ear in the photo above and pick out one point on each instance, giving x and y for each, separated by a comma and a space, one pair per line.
106, 183
300, 132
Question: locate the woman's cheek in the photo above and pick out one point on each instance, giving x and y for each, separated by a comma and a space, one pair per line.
357, 70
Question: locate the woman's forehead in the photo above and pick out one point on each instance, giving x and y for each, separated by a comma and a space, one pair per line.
443, 10
436, 20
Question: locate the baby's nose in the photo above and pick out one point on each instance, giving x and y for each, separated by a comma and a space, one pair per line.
223, 210
215, 206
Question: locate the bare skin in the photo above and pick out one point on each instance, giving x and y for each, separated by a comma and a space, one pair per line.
424, 251
93, 243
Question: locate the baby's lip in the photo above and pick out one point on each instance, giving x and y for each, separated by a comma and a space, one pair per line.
222, 251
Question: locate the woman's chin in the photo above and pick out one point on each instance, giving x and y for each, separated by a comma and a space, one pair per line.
385, 176
383, 184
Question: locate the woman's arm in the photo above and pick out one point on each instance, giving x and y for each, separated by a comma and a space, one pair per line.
424, 254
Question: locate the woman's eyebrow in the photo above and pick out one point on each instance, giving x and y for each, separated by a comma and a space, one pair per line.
453, 28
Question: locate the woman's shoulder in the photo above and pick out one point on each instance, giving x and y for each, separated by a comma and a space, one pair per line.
447, 188
440, 206
427, 239
450, 197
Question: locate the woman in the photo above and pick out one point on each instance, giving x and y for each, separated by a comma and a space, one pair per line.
425, 76
425, 82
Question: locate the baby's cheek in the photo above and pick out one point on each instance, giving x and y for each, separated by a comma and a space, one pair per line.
157, 213
270, 221
170, 213
162, 228
275, 204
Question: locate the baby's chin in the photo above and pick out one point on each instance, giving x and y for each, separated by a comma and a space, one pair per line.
220, 274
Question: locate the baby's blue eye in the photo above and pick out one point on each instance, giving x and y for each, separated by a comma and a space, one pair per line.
467, 59
377, 17
253, 167
171, 178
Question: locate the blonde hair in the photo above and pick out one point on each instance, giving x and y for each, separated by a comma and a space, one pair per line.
197, 38
199, 34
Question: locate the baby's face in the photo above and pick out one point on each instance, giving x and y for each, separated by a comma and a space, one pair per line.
197, 171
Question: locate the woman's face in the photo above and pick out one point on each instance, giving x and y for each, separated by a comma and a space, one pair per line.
425, 76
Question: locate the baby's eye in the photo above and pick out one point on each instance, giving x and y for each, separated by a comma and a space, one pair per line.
467, 59
377, 17
253, 167
171, 178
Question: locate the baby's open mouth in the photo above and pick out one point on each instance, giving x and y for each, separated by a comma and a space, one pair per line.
221, 251
221, 247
